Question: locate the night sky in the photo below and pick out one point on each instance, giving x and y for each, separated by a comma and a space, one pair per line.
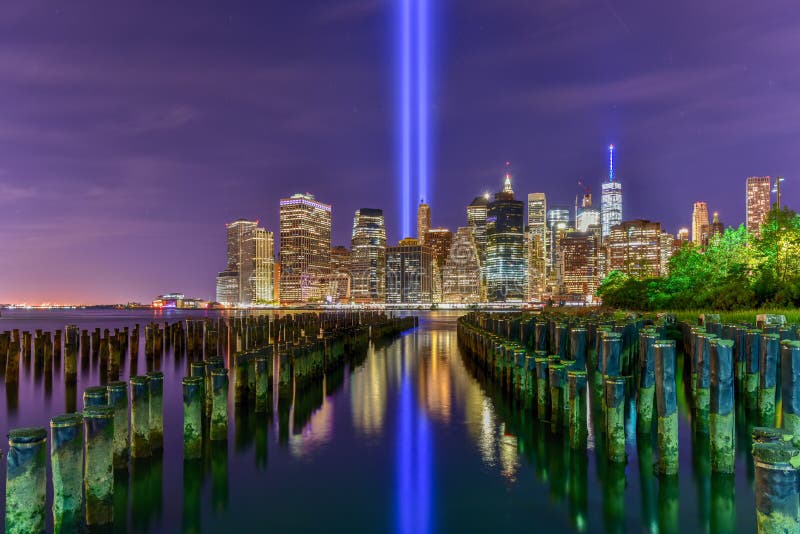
131, 132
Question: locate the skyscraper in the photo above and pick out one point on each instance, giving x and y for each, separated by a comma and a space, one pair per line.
476, 219
439, 240
700, 225
759, 202
462, 271
578, 259
247, 279
611, 198
505, 247
423, 221
228, 288
717, 227
557, 226
634, 248
537, 245
305, 248
339, 281
588, 215
368, 259
264, 271
409, 273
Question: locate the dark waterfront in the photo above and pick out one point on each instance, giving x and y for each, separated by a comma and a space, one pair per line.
411, 439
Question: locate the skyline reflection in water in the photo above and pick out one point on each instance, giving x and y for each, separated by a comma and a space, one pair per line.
408, 438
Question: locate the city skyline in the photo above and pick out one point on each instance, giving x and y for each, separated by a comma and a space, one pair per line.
116, 145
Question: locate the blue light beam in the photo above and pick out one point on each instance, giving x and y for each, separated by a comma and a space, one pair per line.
422, 99
405, 104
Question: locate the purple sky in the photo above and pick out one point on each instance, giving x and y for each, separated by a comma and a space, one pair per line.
130, 132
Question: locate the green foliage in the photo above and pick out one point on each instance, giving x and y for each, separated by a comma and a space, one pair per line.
735, 271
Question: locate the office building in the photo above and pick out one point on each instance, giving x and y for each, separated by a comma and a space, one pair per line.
558, 218
579, 271
462, 271
611, 198
536, 243
228, 288
368, 256
476, 219
506, 269
759, 202
700, 225
339, 281
305, 249
264, 270
717, 227
587, 215
634, 248
409, 273
423, 221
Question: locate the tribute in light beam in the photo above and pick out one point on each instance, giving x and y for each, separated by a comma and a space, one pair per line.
405, 119
414, 150
422, 99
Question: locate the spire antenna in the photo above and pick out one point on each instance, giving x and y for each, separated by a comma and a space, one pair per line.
610, 163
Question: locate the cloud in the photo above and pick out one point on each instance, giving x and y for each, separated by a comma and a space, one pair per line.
155, 121
13, 193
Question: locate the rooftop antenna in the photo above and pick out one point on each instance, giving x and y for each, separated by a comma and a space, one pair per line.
610, 163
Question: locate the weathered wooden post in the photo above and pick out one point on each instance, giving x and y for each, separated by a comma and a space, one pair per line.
26, 475
647, 382
666, 407
557, 374
615, 418
66, 459
140, 417
156, 410
703, 381
752, 364
790, 385
99, 457
578, 347
776, 487
542, 387
219, 413
95, 396
577, 410
262, 375
768, 383
193, 399
118, 400
721, 418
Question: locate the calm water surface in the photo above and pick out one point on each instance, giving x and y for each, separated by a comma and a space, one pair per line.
411, 439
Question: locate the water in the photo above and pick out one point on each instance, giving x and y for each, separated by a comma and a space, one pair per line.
412, 439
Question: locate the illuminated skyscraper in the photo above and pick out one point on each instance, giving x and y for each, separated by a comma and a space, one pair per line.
611, 198
339, 280
759, 202
557, 226
228, 288
537, 245
700, 225
506, 268
683, 235
634, 248
423, 221
247, 280
476, 219
717, 227
579, 271
264, 271
588, 216
439, 239
409, 273
368, 259
667, 250
305, 248
462, 271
